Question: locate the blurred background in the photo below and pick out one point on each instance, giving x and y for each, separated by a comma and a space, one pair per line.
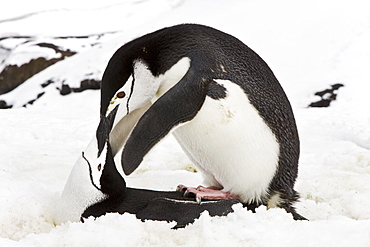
310, 45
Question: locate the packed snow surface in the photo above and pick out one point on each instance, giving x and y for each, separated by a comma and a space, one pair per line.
309, 45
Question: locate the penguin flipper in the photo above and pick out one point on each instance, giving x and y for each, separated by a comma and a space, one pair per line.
178, 105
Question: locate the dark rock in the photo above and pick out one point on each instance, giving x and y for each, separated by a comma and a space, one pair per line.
66, 89
327, 96
47, 83
337, 86
4, 105
87, 84
321, 103
65, 53
12, 75
84, 85
32, 101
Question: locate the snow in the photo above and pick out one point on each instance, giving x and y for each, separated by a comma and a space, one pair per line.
25, 54
309, 45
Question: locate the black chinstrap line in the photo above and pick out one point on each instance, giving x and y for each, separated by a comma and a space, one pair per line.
90, 171
131, 92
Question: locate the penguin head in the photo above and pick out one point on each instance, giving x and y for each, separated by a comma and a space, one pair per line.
96, 167
103, 173
137, 87
93, 179
140, 71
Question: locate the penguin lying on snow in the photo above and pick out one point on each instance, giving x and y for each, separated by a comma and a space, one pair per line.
220, 100
145, 204
96, 190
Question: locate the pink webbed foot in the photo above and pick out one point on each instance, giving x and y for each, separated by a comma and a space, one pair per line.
207, 193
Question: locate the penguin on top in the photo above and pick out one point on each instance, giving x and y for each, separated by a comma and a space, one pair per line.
221, 102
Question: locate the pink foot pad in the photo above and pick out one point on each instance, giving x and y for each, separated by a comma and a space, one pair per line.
206, 193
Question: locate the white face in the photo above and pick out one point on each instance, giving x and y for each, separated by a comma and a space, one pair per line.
95, 166
132, 100
142, 88
139, 90
83, 187
120, 98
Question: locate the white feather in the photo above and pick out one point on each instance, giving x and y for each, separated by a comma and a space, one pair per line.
231, 144
79, 192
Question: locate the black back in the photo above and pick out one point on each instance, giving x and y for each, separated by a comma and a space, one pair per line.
214, 55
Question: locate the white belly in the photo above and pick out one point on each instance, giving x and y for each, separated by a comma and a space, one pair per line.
231, 144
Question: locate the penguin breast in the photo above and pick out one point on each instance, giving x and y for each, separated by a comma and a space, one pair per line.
231, 144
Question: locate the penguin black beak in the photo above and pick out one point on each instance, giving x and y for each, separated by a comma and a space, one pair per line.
104, 128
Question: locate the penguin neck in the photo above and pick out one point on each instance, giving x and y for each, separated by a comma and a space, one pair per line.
172, 76
154, 86
111, 181
78, 193
112, 185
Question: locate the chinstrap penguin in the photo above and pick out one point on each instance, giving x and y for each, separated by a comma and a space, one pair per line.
115, 197
218, 98
148, 204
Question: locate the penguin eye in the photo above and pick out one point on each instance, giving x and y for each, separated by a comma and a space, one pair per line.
99, 167
121, 94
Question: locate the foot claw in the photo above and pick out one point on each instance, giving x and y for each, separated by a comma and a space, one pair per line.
186, 193
198, 198
181, 187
